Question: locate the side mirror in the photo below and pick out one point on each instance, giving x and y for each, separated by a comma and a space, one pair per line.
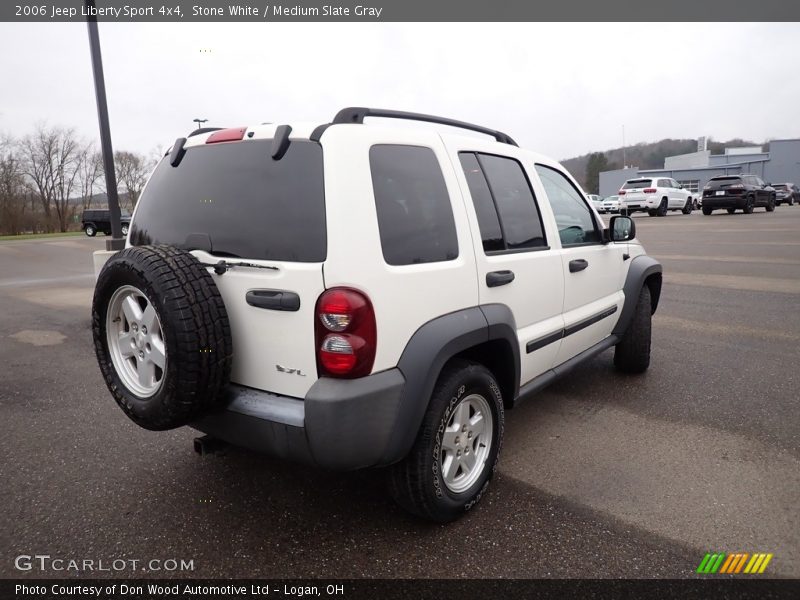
622, 229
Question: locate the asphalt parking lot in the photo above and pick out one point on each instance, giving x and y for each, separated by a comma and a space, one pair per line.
601, 475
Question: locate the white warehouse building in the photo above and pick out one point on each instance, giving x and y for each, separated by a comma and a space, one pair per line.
780, 165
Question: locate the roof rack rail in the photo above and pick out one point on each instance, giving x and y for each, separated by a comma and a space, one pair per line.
357, 114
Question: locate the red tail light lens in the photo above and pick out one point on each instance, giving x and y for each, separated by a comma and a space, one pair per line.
650, 190
345, 334
233, 134
621, 193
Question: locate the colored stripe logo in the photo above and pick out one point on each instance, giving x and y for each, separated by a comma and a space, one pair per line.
734, 563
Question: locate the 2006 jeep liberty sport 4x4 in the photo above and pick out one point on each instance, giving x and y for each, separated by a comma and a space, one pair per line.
352, 296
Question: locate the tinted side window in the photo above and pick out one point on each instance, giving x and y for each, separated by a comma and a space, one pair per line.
516, 205
415, 218
491, 233
573, 217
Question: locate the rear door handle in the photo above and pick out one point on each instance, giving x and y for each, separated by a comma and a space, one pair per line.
578, 264
273, 300
498, 278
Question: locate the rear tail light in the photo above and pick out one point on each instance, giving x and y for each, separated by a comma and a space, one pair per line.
621, 193
345, 334
650, 190
234, 134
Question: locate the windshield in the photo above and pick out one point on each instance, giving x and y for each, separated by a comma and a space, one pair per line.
232, 199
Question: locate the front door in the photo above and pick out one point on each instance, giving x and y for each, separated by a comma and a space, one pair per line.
593, 270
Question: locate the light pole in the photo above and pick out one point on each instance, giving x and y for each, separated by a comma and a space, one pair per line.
199, 122
117, 242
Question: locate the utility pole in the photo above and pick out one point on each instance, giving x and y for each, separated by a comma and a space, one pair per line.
117, 242
624, 160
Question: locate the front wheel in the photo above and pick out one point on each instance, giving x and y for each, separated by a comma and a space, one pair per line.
731, 211
90, 230
124, 231
632, 354
770, 205
706, 211
688, 207
662, 208
457, 448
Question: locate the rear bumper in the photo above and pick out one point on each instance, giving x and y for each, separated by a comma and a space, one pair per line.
724, 202
648, 203
341, 424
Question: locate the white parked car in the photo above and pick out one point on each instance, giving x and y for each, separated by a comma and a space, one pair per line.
596, 201
610, 204
656, 196
353, 295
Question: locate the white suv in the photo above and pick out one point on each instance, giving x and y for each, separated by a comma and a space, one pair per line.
656, 196
352, 295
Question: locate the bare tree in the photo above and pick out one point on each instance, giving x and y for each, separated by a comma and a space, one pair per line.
132, 171
12, 189
51, 160
90, 170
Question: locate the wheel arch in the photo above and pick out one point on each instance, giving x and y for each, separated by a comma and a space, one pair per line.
644, 270
486, 334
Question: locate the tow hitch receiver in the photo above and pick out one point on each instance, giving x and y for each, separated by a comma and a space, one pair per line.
209, 445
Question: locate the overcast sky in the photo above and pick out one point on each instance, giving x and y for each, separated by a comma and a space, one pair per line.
560, 89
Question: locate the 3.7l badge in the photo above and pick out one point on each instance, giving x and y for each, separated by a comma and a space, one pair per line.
283, 369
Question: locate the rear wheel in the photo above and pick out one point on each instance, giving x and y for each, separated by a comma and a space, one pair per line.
749, 205
457, 448
706, 210
791, 201
652, 212
124, 230
632, 353
90, 230
731, 211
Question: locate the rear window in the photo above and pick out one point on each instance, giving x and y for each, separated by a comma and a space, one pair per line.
415, 218
636, 184
234, 200
724, 181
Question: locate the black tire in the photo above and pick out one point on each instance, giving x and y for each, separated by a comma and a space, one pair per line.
416, 483
90, 230
688, 207
707, 211
652, 212
791, 201
662, 208
770, 205
731, 211
749, 205
632, 353
124, 229
195, 328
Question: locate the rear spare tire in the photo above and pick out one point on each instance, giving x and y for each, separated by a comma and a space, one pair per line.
161, 335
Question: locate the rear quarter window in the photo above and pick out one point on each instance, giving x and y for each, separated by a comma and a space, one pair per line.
415, 217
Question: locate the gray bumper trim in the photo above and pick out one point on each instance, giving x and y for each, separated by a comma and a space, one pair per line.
263, 405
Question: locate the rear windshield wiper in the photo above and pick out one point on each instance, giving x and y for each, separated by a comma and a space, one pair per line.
223, 266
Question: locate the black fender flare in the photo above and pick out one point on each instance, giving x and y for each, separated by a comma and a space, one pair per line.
429, 349
642, 269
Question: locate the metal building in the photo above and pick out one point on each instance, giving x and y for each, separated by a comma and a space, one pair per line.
779, 165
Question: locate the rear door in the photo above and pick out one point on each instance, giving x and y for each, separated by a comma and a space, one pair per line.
516, 265
231, 201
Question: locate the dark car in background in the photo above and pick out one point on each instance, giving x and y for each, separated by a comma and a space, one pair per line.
786, 192
95, 220
732, 192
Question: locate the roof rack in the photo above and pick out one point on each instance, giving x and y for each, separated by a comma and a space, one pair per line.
356, 114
